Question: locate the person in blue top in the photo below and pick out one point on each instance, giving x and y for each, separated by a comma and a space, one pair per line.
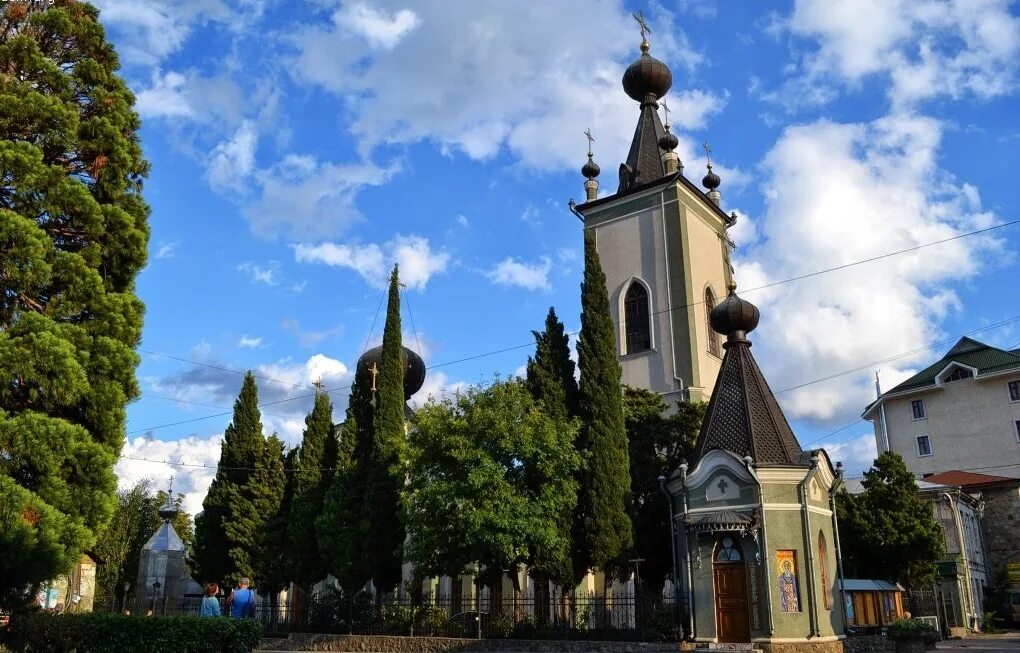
210, 603
242, 601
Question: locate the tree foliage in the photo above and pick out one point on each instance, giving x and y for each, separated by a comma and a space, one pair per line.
550, 374
239, 454
255, 504
889, 531
490, 478
311, 480
658, 443
604, 501
271, 556
120, 544
73, 237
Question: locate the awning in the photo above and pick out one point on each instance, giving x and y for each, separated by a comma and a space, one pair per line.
722, 520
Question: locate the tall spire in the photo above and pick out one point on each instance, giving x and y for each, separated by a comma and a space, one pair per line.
646, 81
711, 180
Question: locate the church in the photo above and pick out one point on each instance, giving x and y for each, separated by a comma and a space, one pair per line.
755, 536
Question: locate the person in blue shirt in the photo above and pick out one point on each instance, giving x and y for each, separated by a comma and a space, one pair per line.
210, 603
242, 601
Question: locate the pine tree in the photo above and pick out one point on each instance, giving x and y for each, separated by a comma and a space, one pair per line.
304, 561
254, 505
240, 452
382, 495
271, 556
604, 501
340, 529
550, 374
74, 233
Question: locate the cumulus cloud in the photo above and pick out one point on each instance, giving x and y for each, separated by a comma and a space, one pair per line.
857, 454
954, 48
417, 260
862, 190
530, 276
199, 453
379, 28
165, 98
232, 161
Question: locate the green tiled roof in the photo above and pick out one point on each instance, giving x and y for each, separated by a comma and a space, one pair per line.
967, 352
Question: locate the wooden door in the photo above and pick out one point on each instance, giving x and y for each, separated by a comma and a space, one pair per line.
731, 602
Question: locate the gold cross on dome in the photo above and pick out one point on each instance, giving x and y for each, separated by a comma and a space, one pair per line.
375, 372
591, 139
318, 384
645, 30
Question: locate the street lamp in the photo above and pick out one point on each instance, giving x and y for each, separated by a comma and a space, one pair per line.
155, 592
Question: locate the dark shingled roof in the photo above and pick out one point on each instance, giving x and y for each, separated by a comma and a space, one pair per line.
644, 161
743, 416
969, 352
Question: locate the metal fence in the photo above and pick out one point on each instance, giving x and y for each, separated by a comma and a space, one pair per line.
627, 617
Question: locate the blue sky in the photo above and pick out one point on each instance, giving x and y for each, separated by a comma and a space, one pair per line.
299, 149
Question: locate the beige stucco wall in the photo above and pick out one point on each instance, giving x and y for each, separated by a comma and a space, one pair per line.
676, 248
970, 424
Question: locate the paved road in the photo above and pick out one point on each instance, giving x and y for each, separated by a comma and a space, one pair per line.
1007, 643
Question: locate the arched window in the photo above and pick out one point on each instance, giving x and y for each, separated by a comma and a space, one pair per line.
637, 326
823, 566
713, 337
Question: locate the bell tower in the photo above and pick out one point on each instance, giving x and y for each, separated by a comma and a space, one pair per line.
663, 246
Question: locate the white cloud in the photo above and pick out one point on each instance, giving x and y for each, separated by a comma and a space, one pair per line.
380, 29
232, 161
926, 49
417, 260
437, 386
166, 250
249, 342
856, 454
201, 454
690, 109
531, 276
861, 190
268, 274
167, 97
494, 81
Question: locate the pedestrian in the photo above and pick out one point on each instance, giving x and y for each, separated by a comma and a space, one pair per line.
242, 601
210, 604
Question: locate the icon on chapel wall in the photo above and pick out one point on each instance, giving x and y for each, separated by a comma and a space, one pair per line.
789, 589
727, 551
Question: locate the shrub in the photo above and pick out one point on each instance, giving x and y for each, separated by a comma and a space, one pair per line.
113, 633
911, 629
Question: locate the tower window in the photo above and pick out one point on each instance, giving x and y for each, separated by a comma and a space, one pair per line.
917, 407
959, 374
923, 445
637, 325
1014, 390
713, 337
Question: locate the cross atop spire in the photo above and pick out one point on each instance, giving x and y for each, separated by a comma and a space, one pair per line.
665, 110
591, 139
170, 489
708, 153
645, 30
318, 384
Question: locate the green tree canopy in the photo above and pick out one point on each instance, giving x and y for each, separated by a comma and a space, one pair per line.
311, 480
73, 237
239, 454
889, 531
550, 374
604, 523
490, 479
255, 504
659, 443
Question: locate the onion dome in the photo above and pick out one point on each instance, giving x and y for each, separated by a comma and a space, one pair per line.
734, 317
591, 169
711, 181
668, 141
169, 510
414, 372
647, 79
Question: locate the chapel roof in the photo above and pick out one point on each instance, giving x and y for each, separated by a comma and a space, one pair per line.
743, 415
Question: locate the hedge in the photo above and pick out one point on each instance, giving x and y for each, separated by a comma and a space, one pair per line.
113, 633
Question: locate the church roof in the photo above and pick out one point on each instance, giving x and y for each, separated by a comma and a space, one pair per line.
644, 161
164, 539
972, 353
743, 416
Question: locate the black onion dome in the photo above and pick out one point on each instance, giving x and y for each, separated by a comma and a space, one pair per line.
414, 373
711, 181
647, 75
169, 510
734, 316
668, 141
591, 169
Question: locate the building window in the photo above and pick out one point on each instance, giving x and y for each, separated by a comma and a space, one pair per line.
713, 337
923, 445
1014, 390
1016, 427
637, 324
917, 407
958, 374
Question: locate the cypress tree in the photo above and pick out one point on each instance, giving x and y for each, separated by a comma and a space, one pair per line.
304, 561
550, 374
271, 556
340, 529
604, 500
254, 504
240, 452
382, 495
73, 237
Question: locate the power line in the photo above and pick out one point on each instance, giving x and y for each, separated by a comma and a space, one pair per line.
219, 367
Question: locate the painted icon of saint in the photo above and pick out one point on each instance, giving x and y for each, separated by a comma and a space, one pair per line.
788, 588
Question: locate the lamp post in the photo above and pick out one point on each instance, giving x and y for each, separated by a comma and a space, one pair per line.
155, 591
672, 548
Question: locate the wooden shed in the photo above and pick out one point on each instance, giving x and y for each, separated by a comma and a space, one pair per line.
871, 603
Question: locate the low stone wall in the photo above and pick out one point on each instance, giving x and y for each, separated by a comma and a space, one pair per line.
868, 644
373, 643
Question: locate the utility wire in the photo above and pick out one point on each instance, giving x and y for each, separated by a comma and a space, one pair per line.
219, 367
